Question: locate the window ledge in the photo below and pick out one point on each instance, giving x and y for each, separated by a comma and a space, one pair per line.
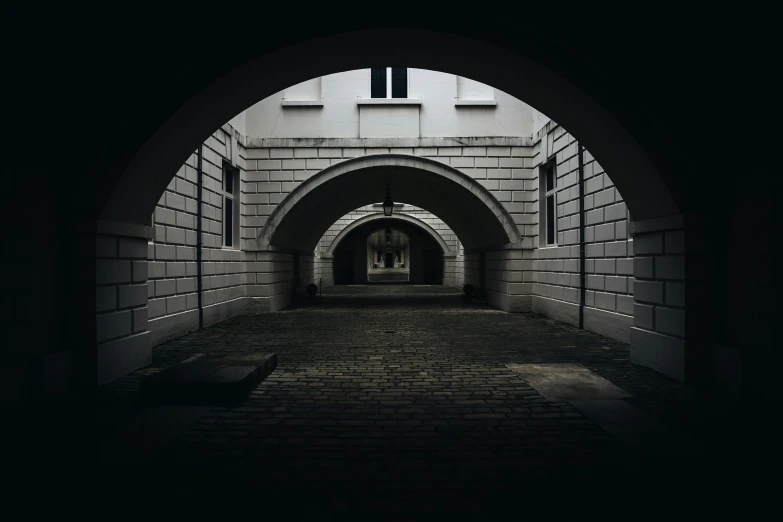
388, 101
302, 103
475, 103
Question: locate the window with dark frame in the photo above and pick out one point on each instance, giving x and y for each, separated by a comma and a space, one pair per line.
399, 82
230, 189
378, 82
389, 82
549, 189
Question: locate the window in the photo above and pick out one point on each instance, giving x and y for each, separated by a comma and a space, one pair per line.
389, 82
378, 82
399, 82
548, 189
230, 204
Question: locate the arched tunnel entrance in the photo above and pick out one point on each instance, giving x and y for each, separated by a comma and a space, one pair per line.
637, 177
517, 208
214, 246
398, 252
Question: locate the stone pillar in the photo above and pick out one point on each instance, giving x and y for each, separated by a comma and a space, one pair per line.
269, 277
658, 334
327, 270
509, 278
123, 342
450, 269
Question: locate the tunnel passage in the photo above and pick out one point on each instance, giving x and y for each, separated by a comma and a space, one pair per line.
360, 258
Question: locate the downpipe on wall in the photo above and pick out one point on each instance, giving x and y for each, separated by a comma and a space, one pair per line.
199, 196
582, 260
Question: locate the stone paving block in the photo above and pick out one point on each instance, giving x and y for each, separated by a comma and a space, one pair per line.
207, 380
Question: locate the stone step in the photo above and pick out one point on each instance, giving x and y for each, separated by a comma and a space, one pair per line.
204, 380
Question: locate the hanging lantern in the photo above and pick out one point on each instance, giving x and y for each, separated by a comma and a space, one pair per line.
388, 204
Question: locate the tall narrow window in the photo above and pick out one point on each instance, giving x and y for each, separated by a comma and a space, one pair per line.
399, 85
548, 200
378, 82
230, 207
389, 82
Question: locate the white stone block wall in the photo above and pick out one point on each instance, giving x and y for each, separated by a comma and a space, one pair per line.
276, 166
270, 280
609, 249
509, 279
172, 285
459, 266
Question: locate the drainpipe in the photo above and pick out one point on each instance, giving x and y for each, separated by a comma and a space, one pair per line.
199, 195
582, 276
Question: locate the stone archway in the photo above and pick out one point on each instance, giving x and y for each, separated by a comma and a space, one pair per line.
399, 217
130, 188
477, 218
134, 191
447, 264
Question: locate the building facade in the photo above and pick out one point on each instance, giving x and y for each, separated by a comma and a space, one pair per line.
262, 207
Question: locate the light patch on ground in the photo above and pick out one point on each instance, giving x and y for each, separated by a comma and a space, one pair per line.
567, 382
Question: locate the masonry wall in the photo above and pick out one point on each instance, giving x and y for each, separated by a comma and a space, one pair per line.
509, 279
504, 166
270, 279
658, 334
459, 267
121, 325
609, 249
172, 285
471, 269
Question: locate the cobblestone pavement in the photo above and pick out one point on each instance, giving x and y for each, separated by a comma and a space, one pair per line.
378, 411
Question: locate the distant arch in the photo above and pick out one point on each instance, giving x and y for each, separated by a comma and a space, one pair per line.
399, 217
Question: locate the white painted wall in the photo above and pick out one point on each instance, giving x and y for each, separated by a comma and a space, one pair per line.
309, 90
238, 122
539, 121
341, 116
468, 89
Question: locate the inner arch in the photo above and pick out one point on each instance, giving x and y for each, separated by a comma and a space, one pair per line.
371, 218
477, 218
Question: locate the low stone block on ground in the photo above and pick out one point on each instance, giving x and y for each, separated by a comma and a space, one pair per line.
208, 381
